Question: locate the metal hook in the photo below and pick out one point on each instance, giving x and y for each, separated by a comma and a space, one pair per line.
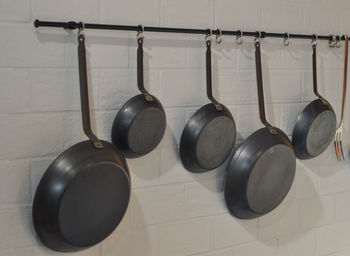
140, 31
81, 28
314, 40
209, 35
286, 39
218, 38
331, 42
337, 42
258, 37
239, 39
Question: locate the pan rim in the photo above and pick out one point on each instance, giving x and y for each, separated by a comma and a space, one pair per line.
304, 153
254, 158
197, 167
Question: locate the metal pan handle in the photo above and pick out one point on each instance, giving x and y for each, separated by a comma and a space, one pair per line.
140, 81
260, 88
314, 73
345, 77
209, 77
84, 96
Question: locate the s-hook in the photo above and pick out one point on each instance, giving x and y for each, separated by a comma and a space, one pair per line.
286, 39
239, 39
218, 38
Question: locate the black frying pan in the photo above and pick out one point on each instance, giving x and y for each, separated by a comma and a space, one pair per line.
140, 124
210, 134
315, 126
84, 194
262, 168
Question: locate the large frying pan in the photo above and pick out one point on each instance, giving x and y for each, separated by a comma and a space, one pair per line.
262, 168
140, 124
84, 193
210, 134
315, 126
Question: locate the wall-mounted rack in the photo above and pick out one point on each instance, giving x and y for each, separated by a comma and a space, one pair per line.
263, 34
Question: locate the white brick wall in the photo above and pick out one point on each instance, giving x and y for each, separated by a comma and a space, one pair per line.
172, 212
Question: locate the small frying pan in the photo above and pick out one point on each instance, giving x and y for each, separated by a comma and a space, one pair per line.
140, 124
315, 126
84, 193
210, 134
262, 168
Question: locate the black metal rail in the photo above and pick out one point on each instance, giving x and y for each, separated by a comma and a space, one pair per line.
262, 34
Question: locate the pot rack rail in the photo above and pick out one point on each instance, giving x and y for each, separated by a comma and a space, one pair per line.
262, 34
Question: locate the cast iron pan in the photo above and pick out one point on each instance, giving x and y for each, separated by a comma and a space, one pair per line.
262, 168
84, 194
210, 134
140, 124
315, 126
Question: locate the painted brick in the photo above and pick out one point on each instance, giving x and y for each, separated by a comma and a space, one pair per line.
28, 47
130, 12
158, 205
15, 182
184, 238
66, 10
228, 16
228, 231
14, 91
36, 135
14, 11
197, 13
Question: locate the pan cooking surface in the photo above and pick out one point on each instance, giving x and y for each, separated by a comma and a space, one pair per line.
321, 133
271, 178
215, 142
94, 203
146, 130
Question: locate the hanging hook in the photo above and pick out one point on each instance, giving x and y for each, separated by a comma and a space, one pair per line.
218, 38
140, 31
286, 39
258, 37
337, 42
331, 42
239, 39
209, 35
314, 40
81, 28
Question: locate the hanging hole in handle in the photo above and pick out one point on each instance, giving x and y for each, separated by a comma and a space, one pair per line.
218, 38
286, 39
239, 39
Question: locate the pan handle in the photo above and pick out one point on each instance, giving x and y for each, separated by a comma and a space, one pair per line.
140, 82
345, 77
260, 88
209, 76
314, 72
84, 96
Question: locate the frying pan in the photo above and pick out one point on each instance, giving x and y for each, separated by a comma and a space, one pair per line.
262, 168
84, 193
140, 124
210, 134
315, 126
